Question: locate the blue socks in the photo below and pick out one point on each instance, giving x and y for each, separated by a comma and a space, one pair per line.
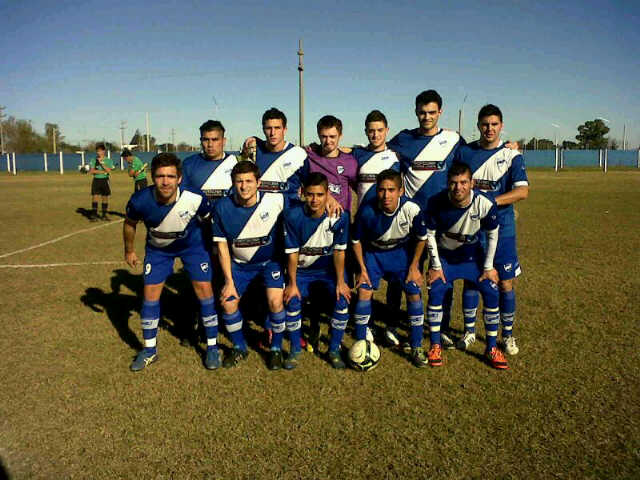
339, 323
150, 319
209, 321
278, 325
361, 316
507, 312
416, 320
233, 322
470, 300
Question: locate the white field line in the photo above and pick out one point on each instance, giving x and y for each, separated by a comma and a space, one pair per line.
46, 265
49, 242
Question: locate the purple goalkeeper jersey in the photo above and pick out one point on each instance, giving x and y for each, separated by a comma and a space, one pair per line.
341, 171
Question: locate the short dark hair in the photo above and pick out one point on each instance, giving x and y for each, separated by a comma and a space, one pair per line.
126, 153
389, 174
428, 96
166, 160
316, 178
245, 166
329, 121
210, 125
100, 146
458, 168
375, 116
274, 114
489, 110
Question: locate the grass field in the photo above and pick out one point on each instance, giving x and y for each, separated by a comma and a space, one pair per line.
569, 407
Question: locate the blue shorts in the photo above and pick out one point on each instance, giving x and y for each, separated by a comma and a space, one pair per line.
391, 265
470, 271
506, 259
158, 264
269, 273
309, 282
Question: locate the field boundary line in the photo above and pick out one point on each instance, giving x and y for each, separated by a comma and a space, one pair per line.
70, 264
48, 242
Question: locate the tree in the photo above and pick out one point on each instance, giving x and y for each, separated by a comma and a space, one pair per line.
184, 147
591, 134
569, 145
540, 144
613, 144
49, 130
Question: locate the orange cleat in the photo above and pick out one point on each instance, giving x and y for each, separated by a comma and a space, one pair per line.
435, 355
496, 359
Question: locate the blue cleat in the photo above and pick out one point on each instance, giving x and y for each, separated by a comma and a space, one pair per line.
212, 361
143, 360
292, 360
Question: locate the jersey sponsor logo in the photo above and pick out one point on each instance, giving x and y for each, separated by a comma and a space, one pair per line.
166, 235
460, 237
389, 242
334, 188
340, 169
315, 251
367, 177
275, 275
147, 268
204, 266
251, 242
483, 184
271, 186
213, 193
428, 165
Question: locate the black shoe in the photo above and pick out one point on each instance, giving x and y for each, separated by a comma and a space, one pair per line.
235, 357
93, 217
335, 359
275, 360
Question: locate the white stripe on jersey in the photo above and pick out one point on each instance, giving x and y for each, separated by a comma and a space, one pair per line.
320, 239
285, 165
220, 179
400, 228
488, 175
257, 227
378, 162
176, 221
467, 224
423, 166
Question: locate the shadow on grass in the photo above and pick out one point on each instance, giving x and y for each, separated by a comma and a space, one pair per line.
88, 213
4, 474
178, 304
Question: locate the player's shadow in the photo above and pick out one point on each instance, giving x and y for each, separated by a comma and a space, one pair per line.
88, 213
4, 474
177, 309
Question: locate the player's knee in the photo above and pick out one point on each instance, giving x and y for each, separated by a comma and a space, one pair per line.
506, 285
365, 293
275, 305
412, 288
437, 291
489, 291
293, 306
342, 305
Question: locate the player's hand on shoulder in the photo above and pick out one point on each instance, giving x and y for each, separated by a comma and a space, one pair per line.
512, 145
334, 209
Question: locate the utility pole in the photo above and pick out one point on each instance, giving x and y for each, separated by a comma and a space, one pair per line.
54, 130
1, 129
301, 90
460, 116
123, 124
173, 139
148, 133
624, 136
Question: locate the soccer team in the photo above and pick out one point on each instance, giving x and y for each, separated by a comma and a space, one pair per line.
282, 220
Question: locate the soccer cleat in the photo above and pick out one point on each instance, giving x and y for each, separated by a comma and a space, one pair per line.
447, 343
235, 357
275, 360
369, 335
105, 217
143, 360
292, 360
391, 337
335, 359
496, 359
466, 341
510, 346
213, 359
265, 342
93, 217
418, 358
435, 355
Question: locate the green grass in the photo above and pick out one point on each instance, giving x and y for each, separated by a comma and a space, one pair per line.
569, 407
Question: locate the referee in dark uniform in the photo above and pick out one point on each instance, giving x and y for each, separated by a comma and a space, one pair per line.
101, 166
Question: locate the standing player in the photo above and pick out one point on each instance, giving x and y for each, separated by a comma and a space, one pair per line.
101, 167
315, 245
135, 169
171, 216
210, 170
454, 219
246, 230
501, 173
388, 241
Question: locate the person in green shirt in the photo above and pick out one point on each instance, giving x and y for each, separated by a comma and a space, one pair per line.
101, 166
136, 169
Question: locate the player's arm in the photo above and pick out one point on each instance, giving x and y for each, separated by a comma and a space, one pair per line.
291, 290
363, 276
249, 148
492, 242
341, 286
414, 275
224, 257
513, 196
435, 266
107, 168
128, 237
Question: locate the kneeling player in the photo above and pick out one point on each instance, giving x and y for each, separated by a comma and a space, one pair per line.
454, 219
170, 215
315, 245
388, 242
249, 248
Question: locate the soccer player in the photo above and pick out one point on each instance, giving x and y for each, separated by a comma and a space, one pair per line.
135, 169
246, 229
171, 216
210, 170
101, 167
501, 173
454, 219
315, 245
388, 241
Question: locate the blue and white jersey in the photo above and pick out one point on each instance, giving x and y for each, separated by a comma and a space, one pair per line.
370, 164
212, 177
378, 230
457, 229
425, 161
283, 171
495, 172
252, 233
171, 227
314, 239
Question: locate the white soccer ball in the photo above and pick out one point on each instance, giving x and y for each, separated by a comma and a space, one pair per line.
364, 355
84, 168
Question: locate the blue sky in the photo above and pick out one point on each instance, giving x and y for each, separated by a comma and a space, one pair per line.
87, 65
